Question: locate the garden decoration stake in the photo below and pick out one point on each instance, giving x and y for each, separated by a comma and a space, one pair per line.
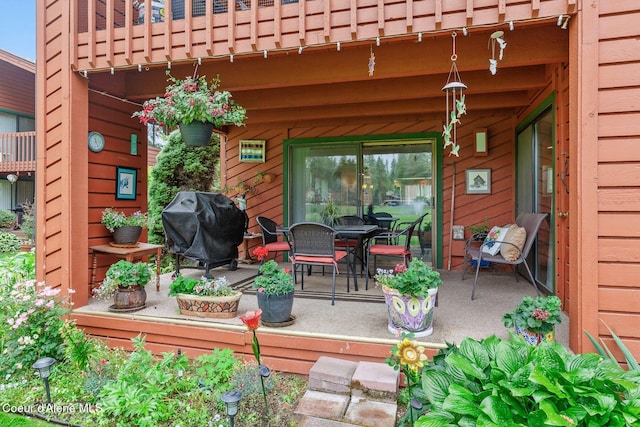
456, 106
252, 321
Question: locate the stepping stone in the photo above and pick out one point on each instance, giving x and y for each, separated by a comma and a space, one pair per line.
332, 374
322, 405
371, 413
320, 422
375, 381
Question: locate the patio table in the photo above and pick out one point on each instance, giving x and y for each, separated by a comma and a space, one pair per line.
354, 232
361, 233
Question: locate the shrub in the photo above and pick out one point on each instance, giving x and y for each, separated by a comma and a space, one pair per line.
7, 219
34, 316
9, 242
180, 168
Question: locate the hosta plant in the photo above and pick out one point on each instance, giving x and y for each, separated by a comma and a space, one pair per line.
495, 382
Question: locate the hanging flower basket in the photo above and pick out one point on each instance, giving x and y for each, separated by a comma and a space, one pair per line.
196, 133
193, 101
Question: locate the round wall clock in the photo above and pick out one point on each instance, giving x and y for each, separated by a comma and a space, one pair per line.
96, 142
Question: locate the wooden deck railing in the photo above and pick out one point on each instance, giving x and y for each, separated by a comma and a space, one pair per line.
136, 33
18, 152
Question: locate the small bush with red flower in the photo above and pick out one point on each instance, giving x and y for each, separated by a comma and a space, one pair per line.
273, 280
538, 315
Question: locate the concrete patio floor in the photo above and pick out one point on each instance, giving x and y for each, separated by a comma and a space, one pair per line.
456, 316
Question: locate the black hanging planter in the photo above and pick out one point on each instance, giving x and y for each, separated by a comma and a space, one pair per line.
196, 133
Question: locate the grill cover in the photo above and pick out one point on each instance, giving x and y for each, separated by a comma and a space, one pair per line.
203, 226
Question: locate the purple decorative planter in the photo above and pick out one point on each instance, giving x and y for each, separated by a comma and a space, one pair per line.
410, 314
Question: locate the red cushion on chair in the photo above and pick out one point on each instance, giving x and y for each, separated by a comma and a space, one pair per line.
277, 246
317, 259
388, 250
344, 243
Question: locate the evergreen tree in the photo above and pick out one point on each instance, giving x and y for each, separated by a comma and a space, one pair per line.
180, 168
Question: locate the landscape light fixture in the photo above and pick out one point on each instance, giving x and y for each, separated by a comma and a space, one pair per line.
43, 366
264, 371
231, 399
12, 178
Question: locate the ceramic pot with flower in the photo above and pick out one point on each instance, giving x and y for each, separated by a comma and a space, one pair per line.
535, 318
410, 294
195, 106
212, 298
126, 282
275, 292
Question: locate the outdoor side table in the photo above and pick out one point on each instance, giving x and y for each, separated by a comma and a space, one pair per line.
128, 254
247, 259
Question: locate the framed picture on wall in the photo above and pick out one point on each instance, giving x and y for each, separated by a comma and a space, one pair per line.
478, 181
126, 180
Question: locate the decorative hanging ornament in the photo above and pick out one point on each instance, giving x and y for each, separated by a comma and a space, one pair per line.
456, 106
372, 62
496, 38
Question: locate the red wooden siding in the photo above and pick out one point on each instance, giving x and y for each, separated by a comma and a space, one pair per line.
618, 184
18, 84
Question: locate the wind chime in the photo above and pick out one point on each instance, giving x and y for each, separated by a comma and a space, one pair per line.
456, 106
496, 38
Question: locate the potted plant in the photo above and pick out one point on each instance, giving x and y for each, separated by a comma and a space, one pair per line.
126, 229
329, 212
212, 298
535, 319
410, 294
195, 106
125, 280
275, 291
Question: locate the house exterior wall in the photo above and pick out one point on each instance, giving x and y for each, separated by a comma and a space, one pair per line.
18, 85
596, 121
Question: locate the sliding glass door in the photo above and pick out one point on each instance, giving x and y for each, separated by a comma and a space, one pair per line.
329, 179
535, 189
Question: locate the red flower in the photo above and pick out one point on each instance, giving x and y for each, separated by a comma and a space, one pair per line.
252, 319
260, 252
400, 268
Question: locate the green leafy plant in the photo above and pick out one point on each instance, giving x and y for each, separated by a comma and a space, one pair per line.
215, 369
28, 225
273, 280
538, 315
206, 287
180, 168
416, 280
480, 228
9, 242
496, 382
123, 274
192, 99
603, 350
112, 219
7, 218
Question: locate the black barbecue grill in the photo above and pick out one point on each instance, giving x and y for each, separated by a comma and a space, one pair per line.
203, 227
